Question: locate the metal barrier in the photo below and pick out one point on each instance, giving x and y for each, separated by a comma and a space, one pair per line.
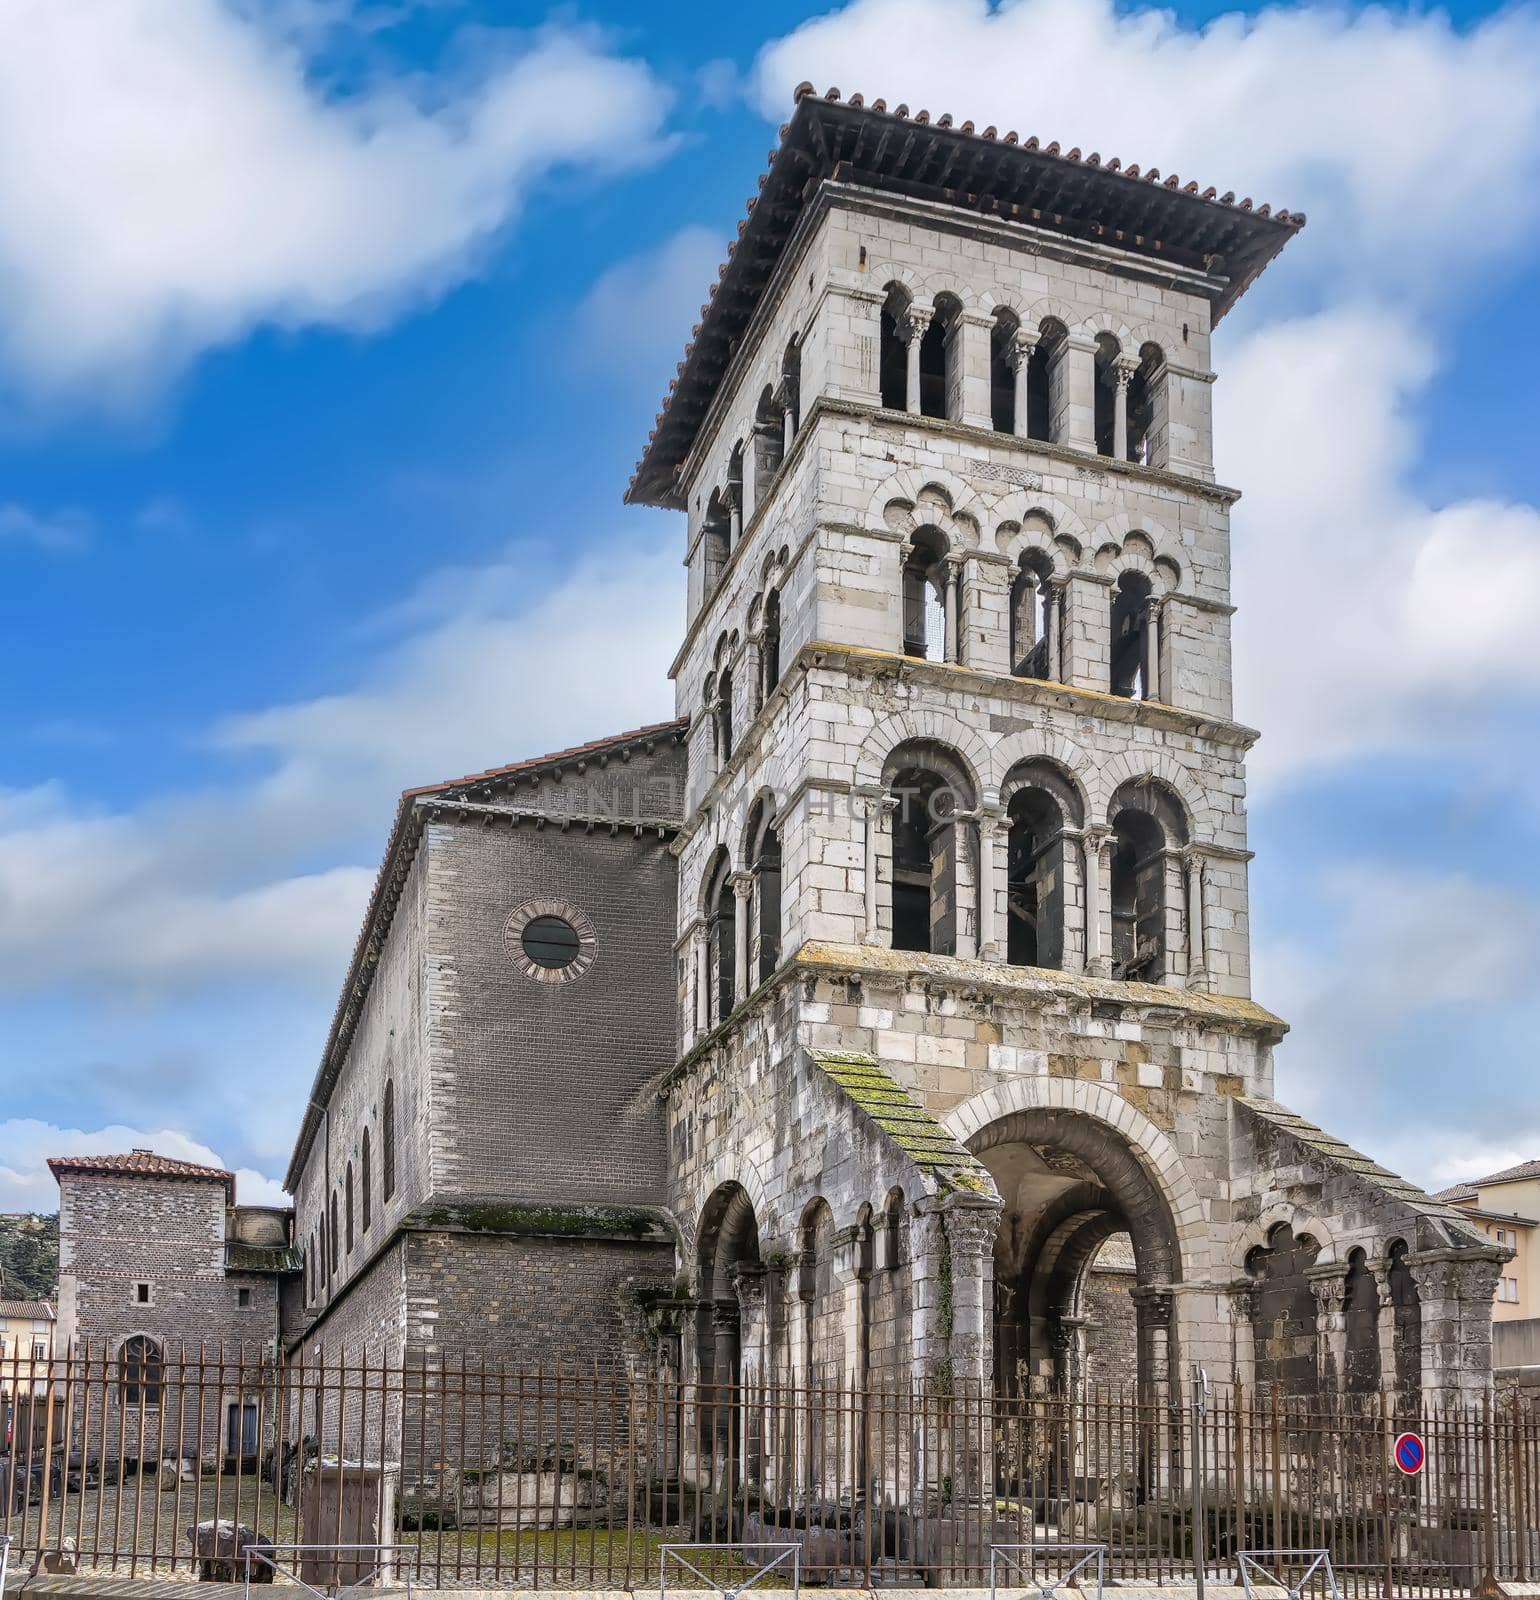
731, 1592
5, 1559
1315, 1561
267, 1555
1025, 1566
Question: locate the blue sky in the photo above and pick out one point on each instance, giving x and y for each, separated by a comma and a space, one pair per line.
329, 334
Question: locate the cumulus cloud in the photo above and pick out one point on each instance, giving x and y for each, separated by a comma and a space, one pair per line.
1389, 128
1369, 620
173, 174
209, 885
26, 1184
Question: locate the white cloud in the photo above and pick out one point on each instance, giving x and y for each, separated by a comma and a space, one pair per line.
63, 532
1369, 620
172, 175
1395, 131
205, 885
645, 305
26, 1184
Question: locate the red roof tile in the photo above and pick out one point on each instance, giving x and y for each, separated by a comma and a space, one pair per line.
140, 1164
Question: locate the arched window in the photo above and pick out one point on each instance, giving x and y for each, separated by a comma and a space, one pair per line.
764, 858
310, 1267
1147, 825
941, 360
929, 787
893, 361
1147, 415
769, 442
721, 939
925, 577
732, 497
1135, 656
388, 1143
770, 645
791, 390
724, 716
1034, 639
347, 1211
1107, 352
1038, 804
1002, 371
1045, 378
333, 1233
716, 541
140, 1371
365, 1188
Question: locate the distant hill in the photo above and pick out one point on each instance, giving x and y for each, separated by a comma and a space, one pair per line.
29, 1256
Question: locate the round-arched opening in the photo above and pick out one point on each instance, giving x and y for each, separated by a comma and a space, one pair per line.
550, 942
1084, 1226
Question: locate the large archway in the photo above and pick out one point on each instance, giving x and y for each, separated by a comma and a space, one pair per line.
726, 1247
1078, 1203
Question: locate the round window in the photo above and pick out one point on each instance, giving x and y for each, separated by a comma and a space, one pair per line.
550, 942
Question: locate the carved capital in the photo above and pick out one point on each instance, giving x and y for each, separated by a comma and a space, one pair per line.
1021, 348
743, 884
916, 323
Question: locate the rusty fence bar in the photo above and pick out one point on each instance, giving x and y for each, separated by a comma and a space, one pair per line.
175, 1462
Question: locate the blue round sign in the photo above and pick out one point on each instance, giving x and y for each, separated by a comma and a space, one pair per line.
1410, 1453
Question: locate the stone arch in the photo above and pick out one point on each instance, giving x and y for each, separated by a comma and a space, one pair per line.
925, 727
1159, 550
1099, 1102
1103, 783
1013, 512
1049, 307
1037, 744
730, 1170
908, 486
1301, 1224
935, 284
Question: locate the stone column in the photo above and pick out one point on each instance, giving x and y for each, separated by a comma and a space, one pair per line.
734, 503
1097, 845
1123, 370
1152, 1336
753, 1368
1151, 662
753, 665
788, 398
1385, 1327
989, 826
1243, 1337
1455, 1288
743, 888
691, 989
1329, 1286
875, 808
953, 605
1019, 358
919, 321
1052, 670
1197, 941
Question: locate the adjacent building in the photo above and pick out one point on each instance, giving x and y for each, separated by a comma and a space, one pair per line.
1506, 1207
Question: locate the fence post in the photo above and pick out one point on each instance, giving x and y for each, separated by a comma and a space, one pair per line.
1488, 1508
1199, 1467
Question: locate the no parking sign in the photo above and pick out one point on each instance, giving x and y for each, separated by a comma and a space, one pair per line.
1409, 1453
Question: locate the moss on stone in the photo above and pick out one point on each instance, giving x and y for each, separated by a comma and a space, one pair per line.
560, 1222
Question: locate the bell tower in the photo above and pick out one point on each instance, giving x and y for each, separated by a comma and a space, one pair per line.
963, 940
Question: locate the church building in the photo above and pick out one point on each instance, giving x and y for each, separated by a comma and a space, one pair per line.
871, 1018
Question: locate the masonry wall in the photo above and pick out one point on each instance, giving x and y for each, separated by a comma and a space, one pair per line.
115, 1233
534, 1082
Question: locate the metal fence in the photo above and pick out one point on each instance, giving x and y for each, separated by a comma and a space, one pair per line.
465, 1473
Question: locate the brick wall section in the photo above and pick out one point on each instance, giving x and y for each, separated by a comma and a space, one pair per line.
115, 1233
533, 1082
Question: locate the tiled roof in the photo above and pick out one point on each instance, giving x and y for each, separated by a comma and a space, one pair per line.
24, 1310
999, 175
1456, 1223
400, 850
1525, 1169
141, 1164
1457, 1194
573, 756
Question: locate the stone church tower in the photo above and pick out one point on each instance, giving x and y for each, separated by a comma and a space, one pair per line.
963, 935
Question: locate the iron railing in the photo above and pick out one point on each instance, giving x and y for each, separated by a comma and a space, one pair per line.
485, 1476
